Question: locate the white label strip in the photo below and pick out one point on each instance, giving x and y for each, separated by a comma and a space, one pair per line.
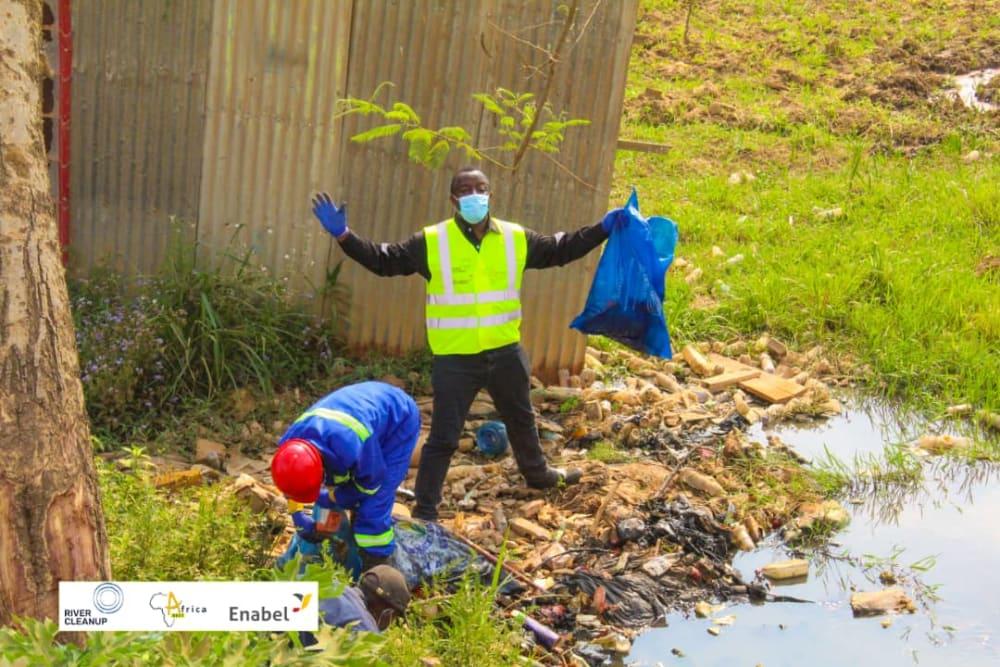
188, 605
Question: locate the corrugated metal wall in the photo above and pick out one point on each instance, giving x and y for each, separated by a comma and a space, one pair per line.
221, 114
139, 73
277, 68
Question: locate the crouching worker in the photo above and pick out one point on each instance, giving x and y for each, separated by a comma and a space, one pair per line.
357, 443
380, 597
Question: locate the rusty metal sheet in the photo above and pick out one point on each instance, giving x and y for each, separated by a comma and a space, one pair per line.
139, 76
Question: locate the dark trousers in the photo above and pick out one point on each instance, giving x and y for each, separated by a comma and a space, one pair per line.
456, 379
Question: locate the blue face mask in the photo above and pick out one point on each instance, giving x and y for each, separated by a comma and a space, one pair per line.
474, 208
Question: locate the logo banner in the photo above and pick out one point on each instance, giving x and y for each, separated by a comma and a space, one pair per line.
188, 605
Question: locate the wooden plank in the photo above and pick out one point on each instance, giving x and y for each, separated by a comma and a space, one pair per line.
723, 380
767, 386
642, 146
773, 388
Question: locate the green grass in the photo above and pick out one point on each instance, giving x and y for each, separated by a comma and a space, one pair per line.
893, 281
606, 452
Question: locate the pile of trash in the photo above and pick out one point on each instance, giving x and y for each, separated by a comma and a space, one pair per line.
655, 532
661, 507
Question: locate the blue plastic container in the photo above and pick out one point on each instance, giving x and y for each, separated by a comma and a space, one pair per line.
491, 439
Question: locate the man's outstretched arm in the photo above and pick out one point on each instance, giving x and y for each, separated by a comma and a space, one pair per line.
388, 259
562, 248
383, 259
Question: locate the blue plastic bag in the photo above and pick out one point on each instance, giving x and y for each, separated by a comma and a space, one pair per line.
626, 298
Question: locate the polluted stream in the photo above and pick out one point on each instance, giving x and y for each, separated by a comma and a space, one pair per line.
939, 537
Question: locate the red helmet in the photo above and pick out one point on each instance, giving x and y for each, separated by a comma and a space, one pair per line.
297, 469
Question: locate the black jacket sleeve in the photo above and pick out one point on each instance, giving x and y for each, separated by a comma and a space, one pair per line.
562, 248
389, 259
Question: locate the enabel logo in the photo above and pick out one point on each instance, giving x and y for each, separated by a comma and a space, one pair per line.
171, 608
264, 614
304, 599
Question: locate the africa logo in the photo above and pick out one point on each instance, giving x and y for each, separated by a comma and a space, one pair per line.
171, 608
108, 598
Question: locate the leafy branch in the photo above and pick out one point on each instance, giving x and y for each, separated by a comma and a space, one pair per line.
521, 125
525, 121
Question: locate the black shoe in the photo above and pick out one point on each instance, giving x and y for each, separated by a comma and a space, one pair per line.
556, 477
424, 515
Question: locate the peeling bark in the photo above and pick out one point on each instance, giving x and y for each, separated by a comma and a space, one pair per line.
51, 522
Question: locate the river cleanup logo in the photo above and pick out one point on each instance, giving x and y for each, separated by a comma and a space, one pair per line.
108, 598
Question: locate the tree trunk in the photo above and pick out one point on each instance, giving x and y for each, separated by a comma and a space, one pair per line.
51, 523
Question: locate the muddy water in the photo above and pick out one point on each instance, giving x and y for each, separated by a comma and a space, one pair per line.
953, 517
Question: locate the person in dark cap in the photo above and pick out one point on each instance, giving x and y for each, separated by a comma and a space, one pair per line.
380, 596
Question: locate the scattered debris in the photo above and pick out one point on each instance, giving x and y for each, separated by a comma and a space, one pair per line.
828, 213
180, 479
876, 603
939, 444
796, 568
210, 453
703, 609
613, 554
701, 482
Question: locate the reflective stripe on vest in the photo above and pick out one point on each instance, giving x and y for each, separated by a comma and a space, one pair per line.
339, 417
350, 422
474, 298
365, 540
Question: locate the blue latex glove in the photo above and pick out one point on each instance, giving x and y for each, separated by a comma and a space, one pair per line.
613, 220
333, 219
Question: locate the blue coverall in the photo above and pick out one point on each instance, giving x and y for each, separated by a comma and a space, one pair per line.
365, 433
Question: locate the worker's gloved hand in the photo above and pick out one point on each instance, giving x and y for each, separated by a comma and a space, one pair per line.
613, 220
304, 525
333, 219
328, 500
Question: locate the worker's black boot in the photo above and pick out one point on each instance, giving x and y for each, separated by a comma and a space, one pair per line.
555, 477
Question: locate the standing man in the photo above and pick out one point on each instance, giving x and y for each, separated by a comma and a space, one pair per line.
473, 264
358, 442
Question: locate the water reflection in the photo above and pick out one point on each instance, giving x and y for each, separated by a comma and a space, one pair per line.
942, 521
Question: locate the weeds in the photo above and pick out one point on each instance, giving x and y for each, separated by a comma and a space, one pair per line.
895, 467
33, 642
806, 101
156, 345
465, 630
197, 533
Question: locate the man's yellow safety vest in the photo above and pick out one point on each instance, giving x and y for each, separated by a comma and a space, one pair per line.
474, 298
